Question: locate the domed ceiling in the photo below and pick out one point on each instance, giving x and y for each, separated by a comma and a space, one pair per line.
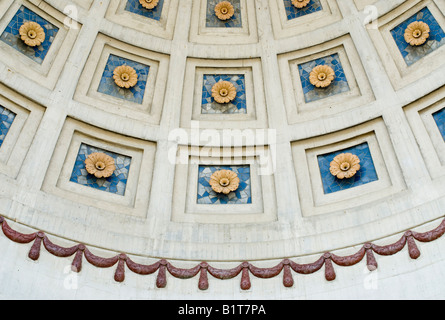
213, 147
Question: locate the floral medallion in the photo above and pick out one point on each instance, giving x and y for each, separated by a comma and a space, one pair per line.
32, 34
322, 76
125, 77
100, 165
224, 181
224, 10
417, 33
345, 166
300, 3
149, 4
224, 92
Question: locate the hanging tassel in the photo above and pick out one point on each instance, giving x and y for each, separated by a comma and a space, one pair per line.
329, 268
76, 265
288, 280
413, 250
371, 262
245, 277
34, 253
203, 277
119, 275
161, 280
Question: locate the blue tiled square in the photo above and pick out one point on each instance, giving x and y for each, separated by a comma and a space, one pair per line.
206, 195
115, 184
237, 106
7, 118
339, 85
108, 86
292, 12
11, 35
365, 175
412, 54
134, 6
439, 117
212, 20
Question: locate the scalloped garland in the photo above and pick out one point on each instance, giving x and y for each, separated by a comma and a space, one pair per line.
204, 269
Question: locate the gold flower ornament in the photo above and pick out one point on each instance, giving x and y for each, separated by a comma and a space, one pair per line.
345, 166
417, 33
32, 34
149, 4
224, 181
100, 165
322, 76
125, 77
224, 92
224, 10
300, 3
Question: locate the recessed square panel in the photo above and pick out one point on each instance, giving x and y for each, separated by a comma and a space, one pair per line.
439, 117
116, 184
108, 86
98, 89
289, 21
20, 119
212, 21
349, 89
126, 191
44, 63
247, 110
206, 195
293, 12
135, 6
406, 63
365, 175
339, 85
207, 28
11, 35
379, 176
427, 121
158, 21
210, 106
412, 54
7, 118
196, 201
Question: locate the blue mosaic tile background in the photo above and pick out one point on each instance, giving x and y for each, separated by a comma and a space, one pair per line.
237, 106
115, 184
339, 85
108, 86
206, 195
135, 7
412, 54
365, 175
212, 20
7, 118
11, 34
292, 12
439, 117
